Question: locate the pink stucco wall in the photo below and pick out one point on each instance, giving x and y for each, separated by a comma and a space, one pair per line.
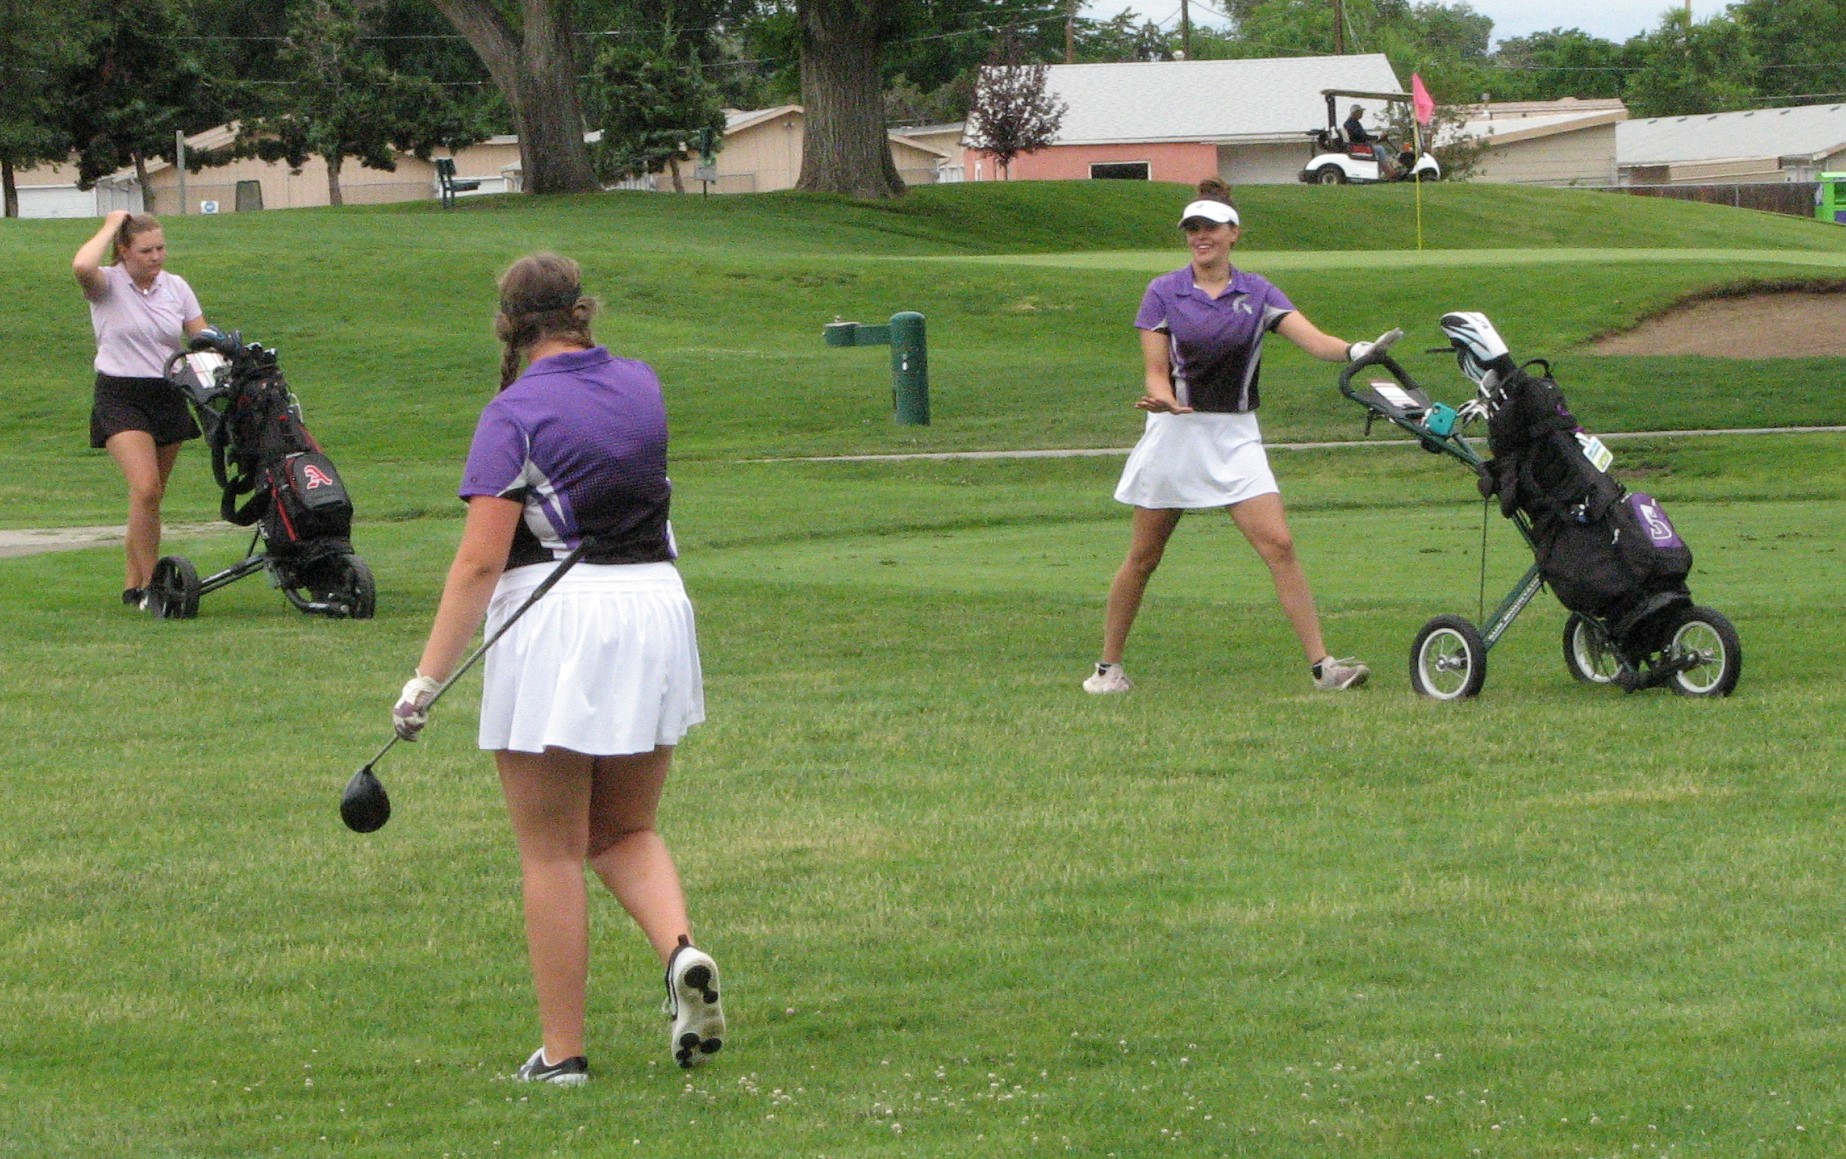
1189, 162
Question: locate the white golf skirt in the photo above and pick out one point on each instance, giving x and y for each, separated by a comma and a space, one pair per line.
1195, 461
605, 663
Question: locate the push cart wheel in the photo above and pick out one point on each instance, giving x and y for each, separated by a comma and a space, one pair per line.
360, 591
1587, 652
173, 592
1448, 660
1706, 638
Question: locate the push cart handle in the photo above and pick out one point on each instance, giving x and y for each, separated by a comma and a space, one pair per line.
1378, 355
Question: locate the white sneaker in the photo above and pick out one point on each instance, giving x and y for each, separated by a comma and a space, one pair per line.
1338, 674
693, 1004
1108, 678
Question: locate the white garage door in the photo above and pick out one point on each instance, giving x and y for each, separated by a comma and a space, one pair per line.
56, 201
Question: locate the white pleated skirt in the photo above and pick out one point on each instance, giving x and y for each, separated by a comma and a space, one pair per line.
605, 663
1195, 461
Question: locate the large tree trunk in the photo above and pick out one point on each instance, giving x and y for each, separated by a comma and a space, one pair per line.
11, 187
844, 147
334, 196
536, 70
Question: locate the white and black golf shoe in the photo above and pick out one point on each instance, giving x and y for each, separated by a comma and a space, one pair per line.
693, 1004
572, 1072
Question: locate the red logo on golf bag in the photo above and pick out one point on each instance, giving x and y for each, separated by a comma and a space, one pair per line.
315, 477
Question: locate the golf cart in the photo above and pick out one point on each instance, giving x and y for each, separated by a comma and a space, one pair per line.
1333, 160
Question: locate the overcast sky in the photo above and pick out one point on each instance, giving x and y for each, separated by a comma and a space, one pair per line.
1615, 20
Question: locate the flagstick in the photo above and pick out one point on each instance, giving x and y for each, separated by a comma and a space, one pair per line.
1416, 137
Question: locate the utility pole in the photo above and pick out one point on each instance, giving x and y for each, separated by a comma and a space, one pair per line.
1339, 27
1185, 31
1070, 30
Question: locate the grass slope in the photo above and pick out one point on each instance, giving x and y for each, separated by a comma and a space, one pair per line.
381, 315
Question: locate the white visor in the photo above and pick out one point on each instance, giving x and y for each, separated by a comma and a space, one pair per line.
1211, 211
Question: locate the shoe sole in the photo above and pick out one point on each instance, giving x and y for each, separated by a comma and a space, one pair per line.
698, 1026
1353, 683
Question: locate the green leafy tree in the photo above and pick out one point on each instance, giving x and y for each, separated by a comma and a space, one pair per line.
341, 100
1688, 68
1797, 46
649, 106
136, 87
38, 44
1564, 62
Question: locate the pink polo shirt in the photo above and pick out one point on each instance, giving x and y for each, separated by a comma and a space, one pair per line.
136, 331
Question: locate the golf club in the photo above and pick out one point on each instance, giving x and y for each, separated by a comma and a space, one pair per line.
364, 806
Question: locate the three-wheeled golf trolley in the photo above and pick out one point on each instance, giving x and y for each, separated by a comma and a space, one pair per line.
1612, 558
296, 503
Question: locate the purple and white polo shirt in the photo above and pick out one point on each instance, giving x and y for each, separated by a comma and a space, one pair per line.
581, 440
1217, 343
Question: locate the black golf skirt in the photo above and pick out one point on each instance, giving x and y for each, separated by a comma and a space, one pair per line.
139, 404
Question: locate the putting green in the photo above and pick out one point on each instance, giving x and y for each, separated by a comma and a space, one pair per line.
1381, 259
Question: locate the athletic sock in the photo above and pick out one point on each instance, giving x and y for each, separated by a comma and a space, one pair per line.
1316, 666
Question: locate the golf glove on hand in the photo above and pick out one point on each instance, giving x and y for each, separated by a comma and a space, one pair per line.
1357, 351
412, 711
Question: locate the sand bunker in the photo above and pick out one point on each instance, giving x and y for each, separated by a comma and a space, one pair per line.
1782, 324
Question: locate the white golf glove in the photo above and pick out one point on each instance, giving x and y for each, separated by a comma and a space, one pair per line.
412, 710
1384, 341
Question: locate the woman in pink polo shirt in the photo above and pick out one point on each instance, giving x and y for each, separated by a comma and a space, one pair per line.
1202, 328
142, 316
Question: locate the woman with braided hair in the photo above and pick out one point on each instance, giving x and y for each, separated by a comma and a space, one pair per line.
587, 693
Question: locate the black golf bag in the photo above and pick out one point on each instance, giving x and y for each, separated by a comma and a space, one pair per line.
1604, 552
272, 476
260, 448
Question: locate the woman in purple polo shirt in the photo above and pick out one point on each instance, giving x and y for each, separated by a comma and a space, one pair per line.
587, 693
142, 316
1202, 330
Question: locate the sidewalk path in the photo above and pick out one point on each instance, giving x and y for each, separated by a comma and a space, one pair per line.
1077, 453
36, 540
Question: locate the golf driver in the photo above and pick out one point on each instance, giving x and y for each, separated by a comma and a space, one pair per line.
364, 806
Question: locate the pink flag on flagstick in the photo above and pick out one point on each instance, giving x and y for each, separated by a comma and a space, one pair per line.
1420, 101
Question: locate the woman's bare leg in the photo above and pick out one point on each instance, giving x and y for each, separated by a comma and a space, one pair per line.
548, 800
1266, 527
147, 468
627, 852
1150, 530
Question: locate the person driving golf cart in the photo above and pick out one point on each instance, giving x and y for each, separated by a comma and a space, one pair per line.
1356, 134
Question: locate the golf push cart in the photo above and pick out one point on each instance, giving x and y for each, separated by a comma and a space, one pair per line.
1333, 160
296, 503
1612, 558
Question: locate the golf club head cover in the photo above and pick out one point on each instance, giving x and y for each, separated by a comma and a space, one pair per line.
212, 338
412, 710
1478, 346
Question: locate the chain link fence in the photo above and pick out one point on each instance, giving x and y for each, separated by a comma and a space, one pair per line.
1794, 198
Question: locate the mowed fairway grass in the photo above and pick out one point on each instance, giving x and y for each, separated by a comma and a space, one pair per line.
961, 908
